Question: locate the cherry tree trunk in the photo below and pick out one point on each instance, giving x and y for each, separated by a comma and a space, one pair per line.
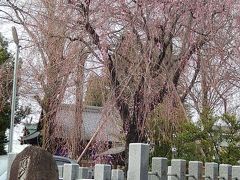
78, 131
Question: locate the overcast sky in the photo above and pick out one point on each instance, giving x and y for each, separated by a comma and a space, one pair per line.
5, 30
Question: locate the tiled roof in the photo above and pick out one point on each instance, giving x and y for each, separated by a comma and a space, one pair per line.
31, 127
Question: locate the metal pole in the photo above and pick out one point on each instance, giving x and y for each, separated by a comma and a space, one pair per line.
13, 105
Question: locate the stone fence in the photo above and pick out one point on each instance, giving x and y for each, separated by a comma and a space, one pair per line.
138, 169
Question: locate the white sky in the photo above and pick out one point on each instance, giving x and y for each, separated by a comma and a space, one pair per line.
6, 31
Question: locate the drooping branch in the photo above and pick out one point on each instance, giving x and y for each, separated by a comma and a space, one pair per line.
196, 72
183, 60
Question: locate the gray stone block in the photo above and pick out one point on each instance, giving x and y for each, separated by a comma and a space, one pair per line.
236, 172
160, 166
195, 170
138, 161
149, 177
211, 171
117, 174
169, 172
83, 173
70, 171
90, 172
60, 171
225, 171
102, 172
178, 169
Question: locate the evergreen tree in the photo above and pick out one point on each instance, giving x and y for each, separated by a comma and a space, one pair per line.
5, 91
213, 138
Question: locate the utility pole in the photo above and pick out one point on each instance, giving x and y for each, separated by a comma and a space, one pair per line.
14, 90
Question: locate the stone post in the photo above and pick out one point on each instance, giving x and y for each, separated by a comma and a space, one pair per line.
83, 173
102, 172
225, 171
178, 170
117, 174
70, 171
211, 171
60, 171
138, 161
90, 172
236, 172
159, 166
195, 170
169, 172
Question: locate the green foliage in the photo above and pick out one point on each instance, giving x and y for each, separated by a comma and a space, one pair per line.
5, 89
96, 91
161, 129
211, 139
193, 142
4, 124
231, 135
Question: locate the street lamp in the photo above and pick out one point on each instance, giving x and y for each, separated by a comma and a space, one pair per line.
13, 105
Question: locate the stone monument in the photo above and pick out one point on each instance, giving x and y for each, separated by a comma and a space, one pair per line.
34, 163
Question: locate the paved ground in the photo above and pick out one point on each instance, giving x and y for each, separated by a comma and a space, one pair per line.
3, 167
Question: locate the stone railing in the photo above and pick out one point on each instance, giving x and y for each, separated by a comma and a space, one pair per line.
138, 169
100, 172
